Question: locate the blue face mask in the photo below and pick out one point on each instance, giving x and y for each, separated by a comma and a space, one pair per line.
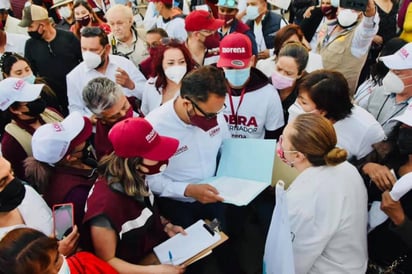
30, 79
237, 77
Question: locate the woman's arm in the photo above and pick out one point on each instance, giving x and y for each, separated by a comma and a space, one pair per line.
105, 242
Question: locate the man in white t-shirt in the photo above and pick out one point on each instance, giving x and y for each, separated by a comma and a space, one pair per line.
254, 107
170, 19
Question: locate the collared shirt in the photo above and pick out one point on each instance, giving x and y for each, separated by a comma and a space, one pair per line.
383, 107
78, 78
260, 41
135, 52
195, 158
152, 98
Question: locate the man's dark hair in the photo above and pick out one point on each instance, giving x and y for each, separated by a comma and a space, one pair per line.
95, 32
199, 83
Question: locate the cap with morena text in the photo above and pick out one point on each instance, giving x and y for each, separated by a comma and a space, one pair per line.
52, 142
202, 20
17, 90
135, 137
402, 59
32, 13
235, 51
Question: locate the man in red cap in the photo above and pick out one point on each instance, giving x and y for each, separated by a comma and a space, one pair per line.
170, 19
203, 40
249, 88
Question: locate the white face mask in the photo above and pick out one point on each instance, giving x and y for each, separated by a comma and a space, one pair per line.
294, 110
91, 59
176, 73
392, 83
347, 17
65, 12
64, 269
252, 12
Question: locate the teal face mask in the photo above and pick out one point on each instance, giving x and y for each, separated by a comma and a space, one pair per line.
237, 77
252, 12
30, 79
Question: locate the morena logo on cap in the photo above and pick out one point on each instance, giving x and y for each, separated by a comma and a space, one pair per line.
238, 63
19, 85
404, 53
234, 50
58, 127
151, 136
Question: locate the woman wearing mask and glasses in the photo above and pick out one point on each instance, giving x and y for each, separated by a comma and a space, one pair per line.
327, 202
86, 17
121, 194
171, 63
22, 103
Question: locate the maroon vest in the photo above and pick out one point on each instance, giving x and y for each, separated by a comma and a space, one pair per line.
137, 223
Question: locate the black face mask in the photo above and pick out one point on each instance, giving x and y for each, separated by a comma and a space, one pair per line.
35, 34
12, 195
405, 141
35, 107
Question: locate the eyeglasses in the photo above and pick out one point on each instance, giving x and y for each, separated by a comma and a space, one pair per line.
281, 150
207, 115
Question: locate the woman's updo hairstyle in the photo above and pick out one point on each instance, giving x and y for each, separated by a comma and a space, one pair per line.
315, 137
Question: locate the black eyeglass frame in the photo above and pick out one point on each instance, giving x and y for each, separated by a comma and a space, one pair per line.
207, 115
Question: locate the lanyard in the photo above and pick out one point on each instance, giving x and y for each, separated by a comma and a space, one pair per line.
232, 108
405, 104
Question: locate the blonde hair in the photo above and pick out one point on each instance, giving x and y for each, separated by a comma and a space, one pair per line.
315, 137
126, 11
124, 171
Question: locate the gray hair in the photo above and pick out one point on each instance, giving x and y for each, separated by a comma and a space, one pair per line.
100, 94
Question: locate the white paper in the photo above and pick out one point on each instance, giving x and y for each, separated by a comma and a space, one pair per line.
183, 247
238, 191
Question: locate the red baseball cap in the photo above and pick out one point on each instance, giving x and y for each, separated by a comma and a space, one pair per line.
202, 20
235, 51
135, 137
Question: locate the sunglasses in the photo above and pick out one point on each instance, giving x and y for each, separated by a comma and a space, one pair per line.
207, 115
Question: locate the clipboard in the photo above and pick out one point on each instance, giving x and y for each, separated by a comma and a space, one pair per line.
199, 242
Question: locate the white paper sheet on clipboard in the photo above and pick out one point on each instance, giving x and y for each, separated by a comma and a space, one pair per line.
184, 247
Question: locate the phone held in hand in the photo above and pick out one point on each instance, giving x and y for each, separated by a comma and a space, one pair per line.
63, 220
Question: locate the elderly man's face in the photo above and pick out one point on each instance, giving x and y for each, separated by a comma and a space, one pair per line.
120, 25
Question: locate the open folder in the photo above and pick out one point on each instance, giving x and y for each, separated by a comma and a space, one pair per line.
186, 249
245, 169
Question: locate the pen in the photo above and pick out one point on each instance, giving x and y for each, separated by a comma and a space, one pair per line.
170, 257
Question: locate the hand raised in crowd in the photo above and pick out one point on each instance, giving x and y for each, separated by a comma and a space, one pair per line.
171, 229
68, 245
203, 193
392, 208
123, 79
308, 12
381, 175
370, 9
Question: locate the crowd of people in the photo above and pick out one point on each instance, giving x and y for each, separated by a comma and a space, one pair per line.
123, 116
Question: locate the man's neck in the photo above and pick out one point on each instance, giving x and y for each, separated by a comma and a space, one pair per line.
129, 39
259, 19
403, 96
50, 34
180, 110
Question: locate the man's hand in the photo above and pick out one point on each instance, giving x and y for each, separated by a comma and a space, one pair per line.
370, 9
392, 208
123, 79
263, 54
203, 193
380, 175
